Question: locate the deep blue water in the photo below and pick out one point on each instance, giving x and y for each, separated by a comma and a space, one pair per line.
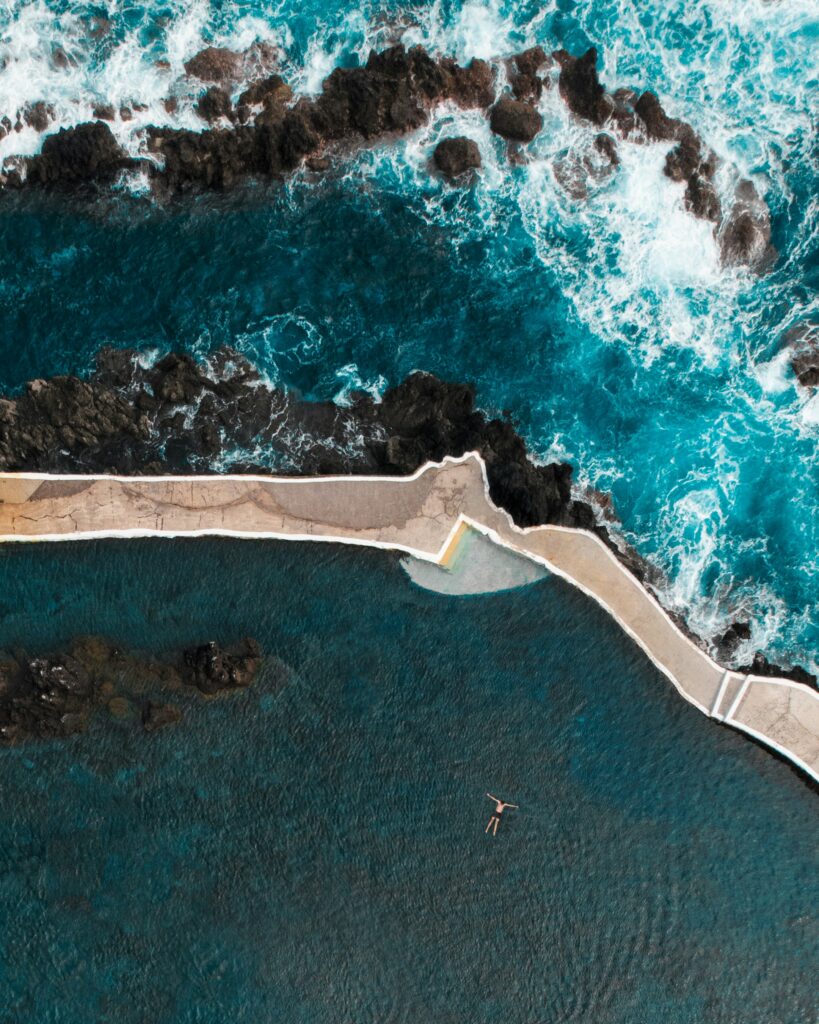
316, 853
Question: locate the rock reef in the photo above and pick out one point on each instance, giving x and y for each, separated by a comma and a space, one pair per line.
268, 132
60, 694
179, 415
744, 232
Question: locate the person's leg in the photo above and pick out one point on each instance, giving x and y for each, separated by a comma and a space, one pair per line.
497, 822
489, 825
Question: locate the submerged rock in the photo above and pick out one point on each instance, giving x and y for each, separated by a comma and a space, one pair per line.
214, 669
158, 716
58, 696
455, 156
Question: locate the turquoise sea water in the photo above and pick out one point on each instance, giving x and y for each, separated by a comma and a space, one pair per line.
606, 325
316, 853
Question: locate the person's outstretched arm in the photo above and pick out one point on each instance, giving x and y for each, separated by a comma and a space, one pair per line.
493, 798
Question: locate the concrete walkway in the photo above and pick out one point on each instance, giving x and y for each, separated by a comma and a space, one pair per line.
424, 515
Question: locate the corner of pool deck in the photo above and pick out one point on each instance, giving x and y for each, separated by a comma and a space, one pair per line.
424, 515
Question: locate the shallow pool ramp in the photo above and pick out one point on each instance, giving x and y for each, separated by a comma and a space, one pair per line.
429, 516
474, 564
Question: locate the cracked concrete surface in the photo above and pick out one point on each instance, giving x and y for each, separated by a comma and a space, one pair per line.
421, 515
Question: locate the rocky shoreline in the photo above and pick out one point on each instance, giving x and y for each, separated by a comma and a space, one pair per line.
59, 695
178, 416
265, 131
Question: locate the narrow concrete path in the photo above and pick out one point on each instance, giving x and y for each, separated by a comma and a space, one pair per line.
424, 515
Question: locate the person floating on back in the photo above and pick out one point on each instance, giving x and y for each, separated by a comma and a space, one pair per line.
500, 807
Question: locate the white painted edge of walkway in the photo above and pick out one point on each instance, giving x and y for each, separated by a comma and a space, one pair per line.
436, 557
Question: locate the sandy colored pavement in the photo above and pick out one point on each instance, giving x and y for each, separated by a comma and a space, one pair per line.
425, 516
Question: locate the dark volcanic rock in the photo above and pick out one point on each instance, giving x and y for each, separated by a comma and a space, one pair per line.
701, 199
658, 125
745, 238
760, 666
215, 103
86, 153
272, 88
805, 358
686, 162
580, 87
456, 156
215, 64
216, 159
606, 145
104, 112
38, 115
392, 93
472, 87
57, 696
213, 669
733, 636
522, 70
515, 120
178, 415
273, 94
45, 697
64, 413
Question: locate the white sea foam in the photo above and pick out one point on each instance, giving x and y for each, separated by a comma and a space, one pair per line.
351, 380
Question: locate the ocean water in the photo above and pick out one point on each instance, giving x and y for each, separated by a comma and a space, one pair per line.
315, 852
606, 325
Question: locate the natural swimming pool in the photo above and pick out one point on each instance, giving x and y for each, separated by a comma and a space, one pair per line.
316, 851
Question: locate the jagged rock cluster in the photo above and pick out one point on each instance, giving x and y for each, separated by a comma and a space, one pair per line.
59, 695
179, 415
744, 232
268, 132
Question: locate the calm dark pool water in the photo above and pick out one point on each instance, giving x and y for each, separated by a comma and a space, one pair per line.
316, 853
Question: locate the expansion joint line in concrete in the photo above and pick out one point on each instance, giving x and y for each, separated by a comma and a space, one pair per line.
729, 714
720, 694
